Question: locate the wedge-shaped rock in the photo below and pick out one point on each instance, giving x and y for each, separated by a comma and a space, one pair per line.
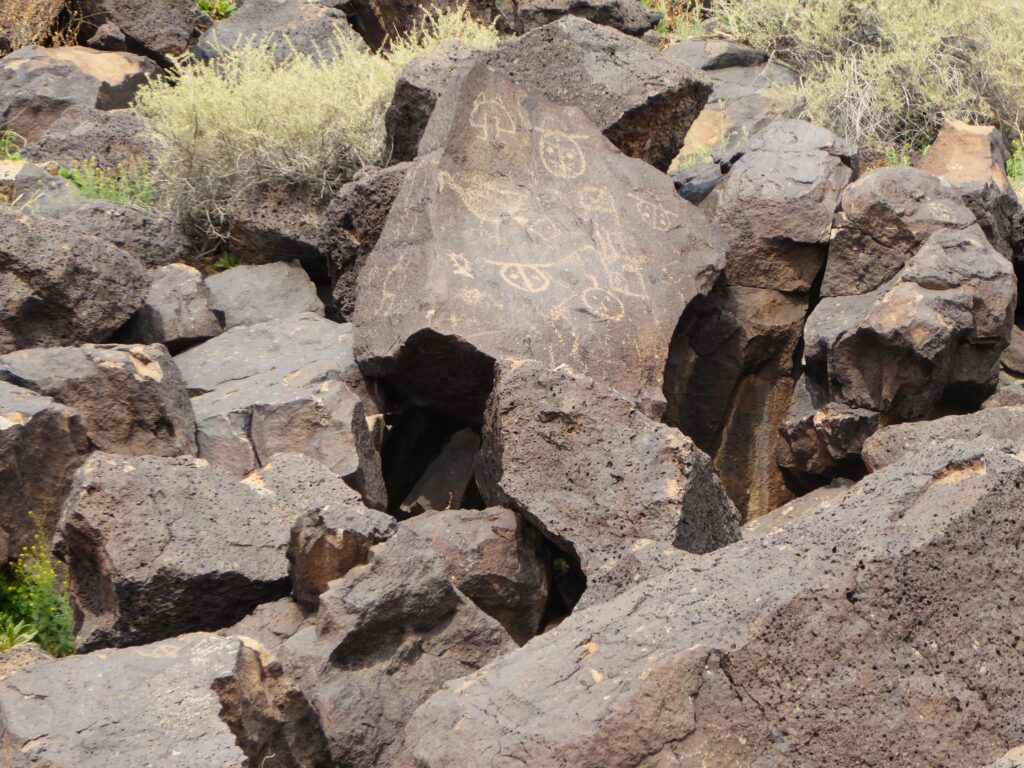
388, 635
598, 477
160, 546
526, 234
38, 84
60, 287
132, 399
158, 28
936, 328
284, 386
177, 312
195, 700
41, 445
834, 638
642, 101
283, 289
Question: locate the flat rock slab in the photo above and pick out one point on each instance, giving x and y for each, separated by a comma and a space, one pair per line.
599, 478
160, 546
131, 398
526, 234
177, 311
834, 638
178, 703
247, 295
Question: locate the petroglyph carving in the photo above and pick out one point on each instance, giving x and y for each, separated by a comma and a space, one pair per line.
561, 154
530, 278
598, 200
461, 265
485, 198
655, 215
603, 304
491, 118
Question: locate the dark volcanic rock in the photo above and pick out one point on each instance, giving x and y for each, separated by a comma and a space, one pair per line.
152, 240
642, 101
177, 312
629, 16
599, 478
525, 234
448, 480
387, 636
160, 546
41, 445
131, 399
114, 137
38, 84
832, 639
157, 28
278, 224
195, 700
59, 287
247, 295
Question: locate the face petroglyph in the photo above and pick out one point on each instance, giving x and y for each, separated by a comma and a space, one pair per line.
561, 154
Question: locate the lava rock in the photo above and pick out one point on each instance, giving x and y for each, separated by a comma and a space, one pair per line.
158, 28
177, 312
282, 290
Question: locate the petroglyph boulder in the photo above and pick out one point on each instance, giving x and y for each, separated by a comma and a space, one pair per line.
523, 233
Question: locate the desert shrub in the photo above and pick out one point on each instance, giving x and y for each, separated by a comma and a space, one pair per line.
126, 183
1015, 166
679, 18
890, 71
246, 119
32, 597
218, 10
27, 22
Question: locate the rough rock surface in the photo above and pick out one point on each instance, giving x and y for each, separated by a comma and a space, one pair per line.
859, 653
278, 387
526, 234
113, 137
597, 477
158, 28
195, 700
642, 101
38, 84
59, 287
41, 445
278, 224
247, 295
131, 399
152, 240
387, 636
177, 311
160, 546
629, 16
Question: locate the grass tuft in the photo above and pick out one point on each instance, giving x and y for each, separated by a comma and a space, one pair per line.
126, 183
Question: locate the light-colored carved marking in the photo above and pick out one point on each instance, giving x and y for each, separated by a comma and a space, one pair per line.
655, 215
461, 265
561, 154
480, 194
603, 304
491, 118
389, 287
597, 200
524, 277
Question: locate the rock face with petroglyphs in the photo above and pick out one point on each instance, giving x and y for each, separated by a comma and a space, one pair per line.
524, 234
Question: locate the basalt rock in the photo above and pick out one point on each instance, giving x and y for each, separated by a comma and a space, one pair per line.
156, 28
282, 290
859, 652
177, 312
113, 138
523, 233
60, 287
160, 546
597, 477
193, 700
41, 444
131, 399
154, 241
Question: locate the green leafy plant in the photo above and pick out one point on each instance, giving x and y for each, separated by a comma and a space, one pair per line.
11, 145
14, 633
33, 594
1015, 166
218, 10
127, 183
226, 260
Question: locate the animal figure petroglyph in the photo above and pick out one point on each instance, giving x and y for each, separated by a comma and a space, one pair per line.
461, 265
491, 117
488, 200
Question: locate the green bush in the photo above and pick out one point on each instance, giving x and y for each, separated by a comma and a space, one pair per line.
1015, 166
245, 120
127, 183
218, 10
11, 145
33, 603
890, 71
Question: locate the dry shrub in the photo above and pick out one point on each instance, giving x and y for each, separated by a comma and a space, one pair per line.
246, 120
27, 22
892, 70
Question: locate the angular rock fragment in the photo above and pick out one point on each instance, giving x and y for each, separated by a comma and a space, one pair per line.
272, 623
858, 653
21, 656
193, 700
178, 311
112, 138
448, 481
642, 101
131, 399
59, 287
279, 224
629, 16
160, 546
597, 477
41, 444
596, 256
158, 28
38, 84
285, 386
247, 295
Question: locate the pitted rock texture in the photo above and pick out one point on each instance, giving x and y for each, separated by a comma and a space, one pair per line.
158, 28
132, 399
599, 478
526, 234
178, 310
160, 546
191, 701
283, 290
858, 652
